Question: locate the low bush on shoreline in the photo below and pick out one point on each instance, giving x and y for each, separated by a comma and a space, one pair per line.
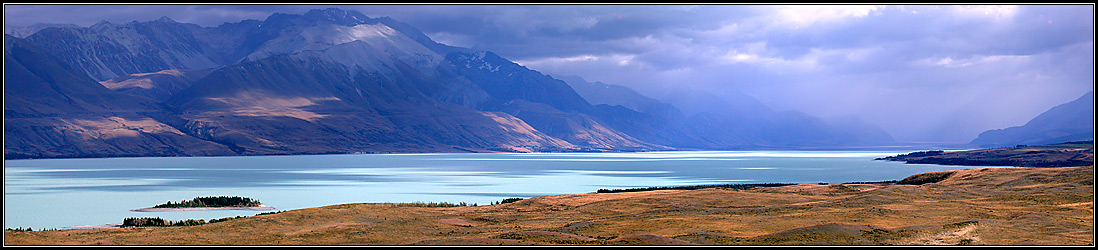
695, 187
912, 154
872, 182
160, 222
509, 200
435, 204
924, 178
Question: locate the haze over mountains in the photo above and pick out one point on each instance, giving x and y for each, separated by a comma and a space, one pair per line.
336, 81
1072, 121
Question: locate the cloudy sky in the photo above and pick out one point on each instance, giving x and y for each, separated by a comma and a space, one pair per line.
940, 73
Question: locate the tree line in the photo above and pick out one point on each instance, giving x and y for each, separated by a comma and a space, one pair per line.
160, 222
695, 187
218, 201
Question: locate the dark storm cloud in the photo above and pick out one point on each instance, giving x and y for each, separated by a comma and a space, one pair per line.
86, 15
923, 72
526, 31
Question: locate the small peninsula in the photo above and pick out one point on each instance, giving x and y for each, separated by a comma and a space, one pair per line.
1068, 154
209, 203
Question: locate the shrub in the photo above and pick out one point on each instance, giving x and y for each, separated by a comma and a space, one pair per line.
695, 187
264, 213
924, 178
144, 222
434, 204
159, 222
507, 200
189, 222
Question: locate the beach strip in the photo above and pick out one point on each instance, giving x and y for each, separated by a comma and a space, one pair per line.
175, 209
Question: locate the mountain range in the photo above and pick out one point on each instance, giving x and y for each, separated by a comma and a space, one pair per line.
337, 81
700, 120
1071, 121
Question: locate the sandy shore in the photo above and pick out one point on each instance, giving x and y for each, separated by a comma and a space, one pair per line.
93, 226
153, 209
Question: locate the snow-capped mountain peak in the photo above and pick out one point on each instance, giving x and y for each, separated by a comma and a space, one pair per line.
337, 16
364, 46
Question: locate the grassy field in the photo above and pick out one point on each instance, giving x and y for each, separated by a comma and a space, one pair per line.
990, 206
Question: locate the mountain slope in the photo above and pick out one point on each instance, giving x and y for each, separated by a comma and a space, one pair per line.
158, 85
639, 116
284, 105
547, 104
1072, 121
617, 95
53, 110
356, 75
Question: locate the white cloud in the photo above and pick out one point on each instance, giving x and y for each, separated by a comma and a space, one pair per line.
801, 16
996, 12
814, 60
977, 60
453, 39
554, 62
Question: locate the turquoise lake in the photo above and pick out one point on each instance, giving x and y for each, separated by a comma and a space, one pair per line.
60, 193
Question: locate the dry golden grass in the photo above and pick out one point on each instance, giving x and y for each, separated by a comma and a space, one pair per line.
990, 206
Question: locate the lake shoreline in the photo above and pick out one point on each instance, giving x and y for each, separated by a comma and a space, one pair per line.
907, 147
92, 226
177, 209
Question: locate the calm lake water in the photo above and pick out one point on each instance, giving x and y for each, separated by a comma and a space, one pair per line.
59, 193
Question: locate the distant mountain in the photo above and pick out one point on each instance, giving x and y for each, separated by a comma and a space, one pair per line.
617, 95
637, 115
547, 104
337, 81
107, 50
1072, 121
22, 32
737, 121
721, 122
